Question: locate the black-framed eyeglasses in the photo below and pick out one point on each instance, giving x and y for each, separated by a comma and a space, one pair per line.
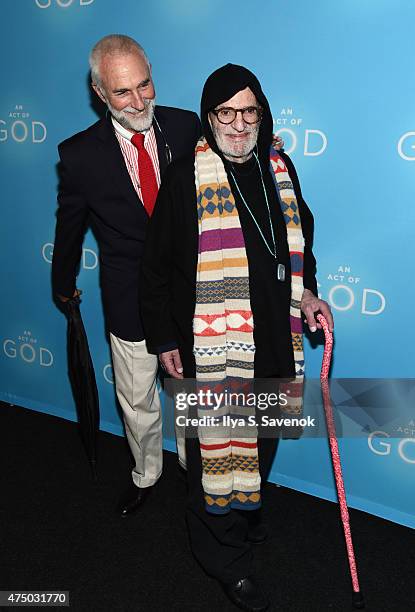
227, 114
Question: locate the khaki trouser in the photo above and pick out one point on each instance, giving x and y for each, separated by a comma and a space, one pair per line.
135, 373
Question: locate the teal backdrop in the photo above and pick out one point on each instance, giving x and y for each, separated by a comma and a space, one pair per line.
340, 80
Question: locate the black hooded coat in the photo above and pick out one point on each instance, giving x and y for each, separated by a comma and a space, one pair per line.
170, 256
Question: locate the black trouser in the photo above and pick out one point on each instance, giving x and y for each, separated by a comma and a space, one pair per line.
219, 541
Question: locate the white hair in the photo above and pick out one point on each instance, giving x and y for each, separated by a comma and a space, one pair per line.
113, 44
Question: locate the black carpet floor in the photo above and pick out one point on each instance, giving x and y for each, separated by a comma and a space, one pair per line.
59, 531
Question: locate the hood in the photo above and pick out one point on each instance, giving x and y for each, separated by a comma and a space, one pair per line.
222, 85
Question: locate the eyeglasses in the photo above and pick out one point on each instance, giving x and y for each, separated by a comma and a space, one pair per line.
250, 114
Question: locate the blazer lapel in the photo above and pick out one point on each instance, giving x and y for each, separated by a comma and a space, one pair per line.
162, 146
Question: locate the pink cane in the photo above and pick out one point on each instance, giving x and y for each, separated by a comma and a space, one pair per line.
358, 601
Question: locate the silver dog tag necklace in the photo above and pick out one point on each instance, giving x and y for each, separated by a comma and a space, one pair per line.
273, 251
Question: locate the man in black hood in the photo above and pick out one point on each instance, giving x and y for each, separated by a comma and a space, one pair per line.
221, 86
228, 268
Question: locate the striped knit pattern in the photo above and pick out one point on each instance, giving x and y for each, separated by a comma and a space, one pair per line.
223, 310
223, 334
290, 210
223, 324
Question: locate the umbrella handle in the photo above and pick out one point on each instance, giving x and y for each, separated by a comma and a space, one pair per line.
358, 601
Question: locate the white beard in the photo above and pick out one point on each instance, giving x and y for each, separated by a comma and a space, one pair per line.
238, 149
138, 122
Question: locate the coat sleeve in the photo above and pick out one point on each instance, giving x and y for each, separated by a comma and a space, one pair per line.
71, 221
156, 273
307, 224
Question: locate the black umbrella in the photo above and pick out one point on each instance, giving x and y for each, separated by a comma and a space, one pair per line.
82, 377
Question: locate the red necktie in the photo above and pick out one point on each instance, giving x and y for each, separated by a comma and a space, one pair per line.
146, 174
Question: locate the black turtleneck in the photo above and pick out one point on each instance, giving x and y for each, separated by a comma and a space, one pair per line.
270, 298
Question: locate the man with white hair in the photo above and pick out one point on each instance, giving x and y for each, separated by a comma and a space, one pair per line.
110, 175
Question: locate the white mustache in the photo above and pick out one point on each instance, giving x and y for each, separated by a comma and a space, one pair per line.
130, 109
246, 131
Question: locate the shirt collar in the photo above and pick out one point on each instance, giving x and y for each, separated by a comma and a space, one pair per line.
122, 131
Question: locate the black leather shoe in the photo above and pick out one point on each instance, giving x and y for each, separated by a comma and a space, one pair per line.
246, 595
132, 500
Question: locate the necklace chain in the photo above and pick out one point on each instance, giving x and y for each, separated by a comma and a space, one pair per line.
274, 251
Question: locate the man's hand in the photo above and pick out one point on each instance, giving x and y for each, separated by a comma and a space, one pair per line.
171, 362
76, 293
310, 305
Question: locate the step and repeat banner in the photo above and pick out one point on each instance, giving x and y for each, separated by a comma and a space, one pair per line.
339, 78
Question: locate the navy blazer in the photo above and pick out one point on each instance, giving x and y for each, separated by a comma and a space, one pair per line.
96, 190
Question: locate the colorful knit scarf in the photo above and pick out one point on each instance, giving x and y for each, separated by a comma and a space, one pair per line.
223, 324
